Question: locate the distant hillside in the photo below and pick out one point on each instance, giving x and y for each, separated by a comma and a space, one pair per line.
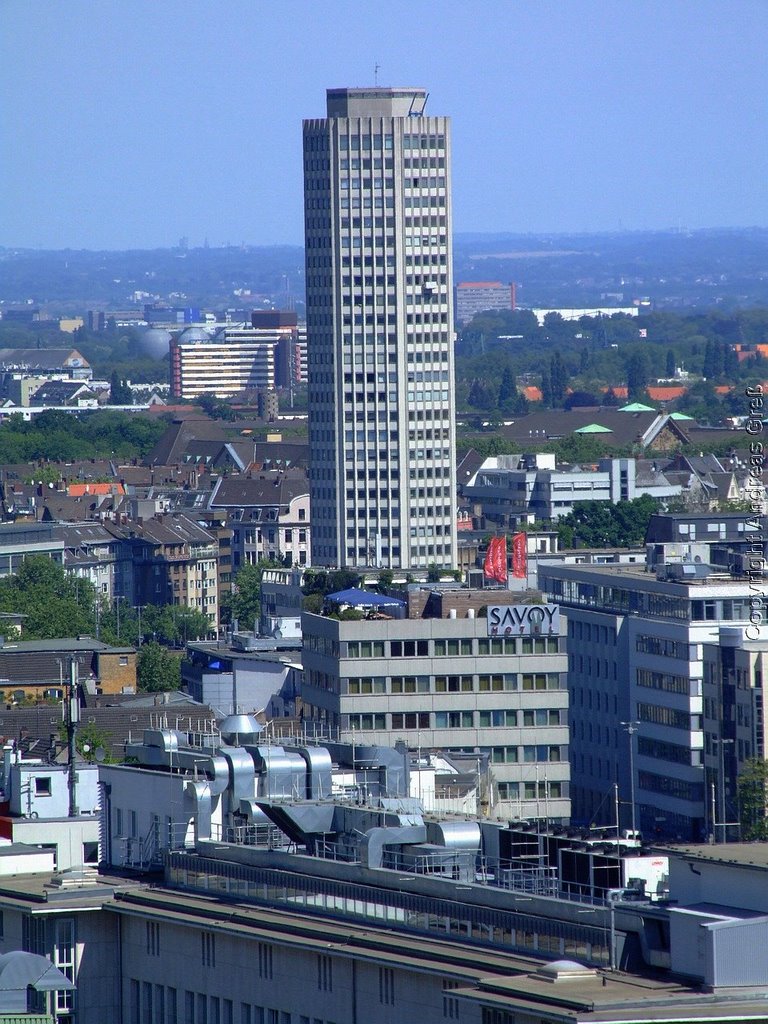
722, 269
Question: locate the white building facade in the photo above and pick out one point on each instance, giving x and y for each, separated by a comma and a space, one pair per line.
445, 684
380, 331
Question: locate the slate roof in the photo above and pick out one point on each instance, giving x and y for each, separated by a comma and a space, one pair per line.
627, 428
60, 392
467, 467
120, 721
280, 454
269, 488
174, 444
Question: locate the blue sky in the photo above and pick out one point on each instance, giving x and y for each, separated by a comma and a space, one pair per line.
132, 123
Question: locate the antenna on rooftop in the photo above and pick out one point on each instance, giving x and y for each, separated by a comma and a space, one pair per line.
376, 69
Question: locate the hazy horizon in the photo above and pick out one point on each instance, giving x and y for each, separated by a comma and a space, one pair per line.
131, 126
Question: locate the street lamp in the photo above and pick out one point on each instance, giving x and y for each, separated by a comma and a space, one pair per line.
138, 608
631, 728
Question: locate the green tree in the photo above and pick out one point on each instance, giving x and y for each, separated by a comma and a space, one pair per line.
157, 669
90, 740
507, 389
119, 392
433, 573
55, 603
386, 579
558, 376
753, 799
637, 375
600, 524
245, 601
670, 367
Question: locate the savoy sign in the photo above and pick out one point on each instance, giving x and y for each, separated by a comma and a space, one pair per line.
523, 620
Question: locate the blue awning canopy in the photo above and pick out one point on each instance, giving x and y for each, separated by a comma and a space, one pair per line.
364, 599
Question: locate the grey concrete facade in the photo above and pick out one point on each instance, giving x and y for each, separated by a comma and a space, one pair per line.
377, 202
445, 684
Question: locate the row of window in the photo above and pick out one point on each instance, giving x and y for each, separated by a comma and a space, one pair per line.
502, 719
667, 682
482, 683
451, 648
530, 790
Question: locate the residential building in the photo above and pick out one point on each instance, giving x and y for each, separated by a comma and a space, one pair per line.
167, 560
512, 490
268, 513
237, 359
638, 430
90, 552
473, 297
377, 204
665, 673
23, 540
269, 352
36, 669
448, 684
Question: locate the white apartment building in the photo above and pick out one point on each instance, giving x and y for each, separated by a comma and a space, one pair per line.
665, 677
445, 684
237, 359
377, 203
514, 489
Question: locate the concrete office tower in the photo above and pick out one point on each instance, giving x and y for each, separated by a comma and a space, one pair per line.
380, 331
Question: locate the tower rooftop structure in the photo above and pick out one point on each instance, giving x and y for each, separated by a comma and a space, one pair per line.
372, 101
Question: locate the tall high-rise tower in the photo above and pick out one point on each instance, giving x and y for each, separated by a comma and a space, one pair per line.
377, 204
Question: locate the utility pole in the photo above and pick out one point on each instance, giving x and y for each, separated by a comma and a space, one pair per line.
73, 719
631, 728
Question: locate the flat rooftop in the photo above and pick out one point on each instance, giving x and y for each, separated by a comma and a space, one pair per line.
747, 855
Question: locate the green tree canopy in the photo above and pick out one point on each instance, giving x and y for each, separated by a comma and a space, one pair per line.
753, 799
244, 603
157, 669
599, 524
55, 603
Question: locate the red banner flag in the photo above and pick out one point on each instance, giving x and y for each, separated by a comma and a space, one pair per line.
520, 556
495, 565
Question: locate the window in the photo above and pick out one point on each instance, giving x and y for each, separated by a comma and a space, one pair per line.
170, 1006
123, 660
265, 960
153, 938
42, 785
409, 648
450, 1003
410, 684
453, 684
497, 683
208, 944
410, 720
386, 986
497, 719
367, 723
453, 719
541, 681
324, 973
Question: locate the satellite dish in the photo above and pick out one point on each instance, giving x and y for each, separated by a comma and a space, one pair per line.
100, 754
